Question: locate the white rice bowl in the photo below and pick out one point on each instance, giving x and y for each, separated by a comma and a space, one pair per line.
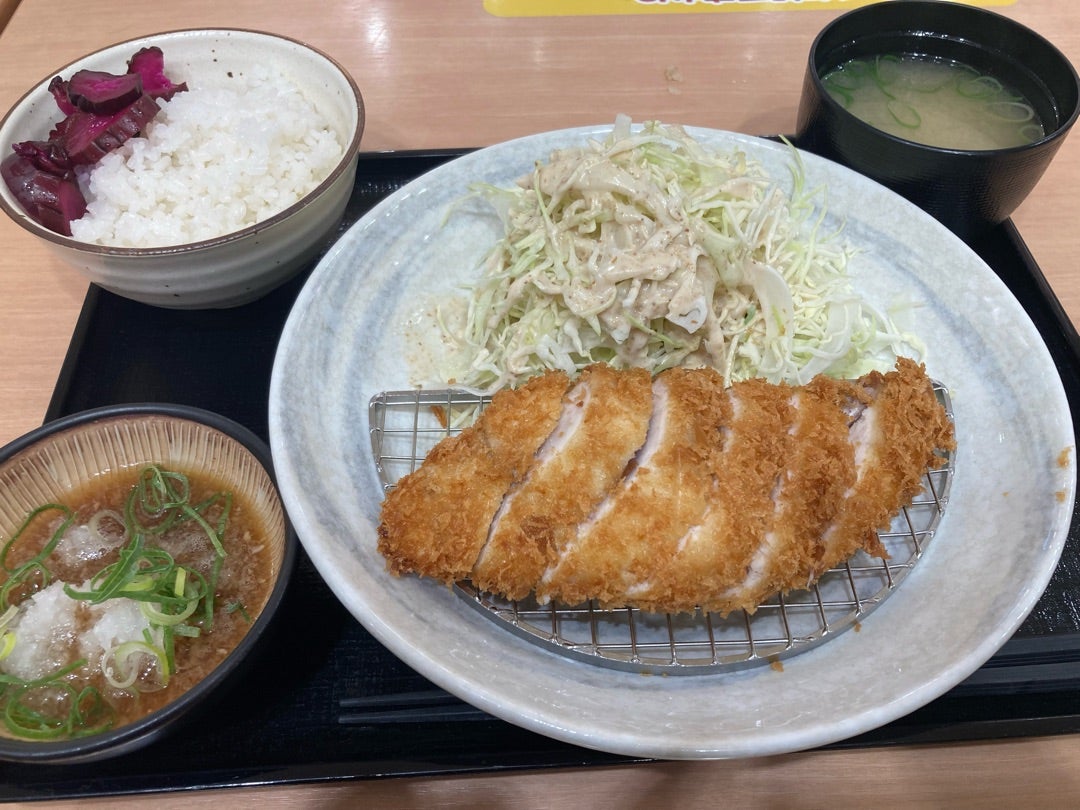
219, 211
227, 153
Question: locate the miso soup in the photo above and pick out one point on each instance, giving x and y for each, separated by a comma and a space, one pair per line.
121, 598
938, 103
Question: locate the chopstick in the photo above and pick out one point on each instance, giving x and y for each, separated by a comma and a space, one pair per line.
428, 706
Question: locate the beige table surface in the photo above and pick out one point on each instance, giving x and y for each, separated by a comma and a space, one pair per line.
436, 73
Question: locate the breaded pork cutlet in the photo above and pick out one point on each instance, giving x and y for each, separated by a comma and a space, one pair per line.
817, 472
670, 495
614, 551
603, 424
437, 519
894, 436
717, 555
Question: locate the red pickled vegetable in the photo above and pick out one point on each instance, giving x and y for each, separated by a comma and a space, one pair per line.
45, 155
54, 200
101, 93
149, 63
58, 88
86, 138
102, 111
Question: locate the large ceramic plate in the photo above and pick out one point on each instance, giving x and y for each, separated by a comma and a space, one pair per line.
993, 555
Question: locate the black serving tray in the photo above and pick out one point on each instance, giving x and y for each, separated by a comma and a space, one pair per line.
286, 723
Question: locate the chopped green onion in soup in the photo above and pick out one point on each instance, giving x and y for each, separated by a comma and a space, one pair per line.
935, 102
114, 605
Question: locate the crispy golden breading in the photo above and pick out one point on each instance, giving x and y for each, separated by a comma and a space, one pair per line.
615, 550
604, 422
817, 472
437, 518
672, 495
895, 436
717, 555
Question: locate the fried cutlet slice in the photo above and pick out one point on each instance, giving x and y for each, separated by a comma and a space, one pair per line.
761, 443
715, 557
603, 424
614, 551
894, 436
818, 471
435, 521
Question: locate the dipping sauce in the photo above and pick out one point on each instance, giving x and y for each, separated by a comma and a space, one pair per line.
122, 598
938, 103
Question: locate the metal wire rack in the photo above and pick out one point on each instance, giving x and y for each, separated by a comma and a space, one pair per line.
405, 425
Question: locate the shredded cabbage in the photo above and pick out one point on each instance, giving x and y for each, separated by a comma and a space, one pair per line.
649, 249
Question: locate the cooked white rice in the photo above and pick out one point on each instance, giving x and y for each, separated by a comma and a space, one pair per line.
215, 159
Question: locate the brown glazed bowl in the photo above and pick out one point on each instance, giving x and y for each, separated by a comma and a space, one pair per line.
967, 190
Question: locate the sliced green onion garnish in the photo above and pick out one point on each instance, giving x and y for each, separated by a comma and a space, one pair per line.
81, 711
168, 593
7, 644
121, 665
157, 615
1032, 132
904, 114
238, 607
979, 87
178, 583
33, 574
1011, 111
138, 584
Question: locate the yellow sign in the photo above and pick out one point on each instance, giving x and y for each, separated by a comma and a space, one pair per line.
568, 8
